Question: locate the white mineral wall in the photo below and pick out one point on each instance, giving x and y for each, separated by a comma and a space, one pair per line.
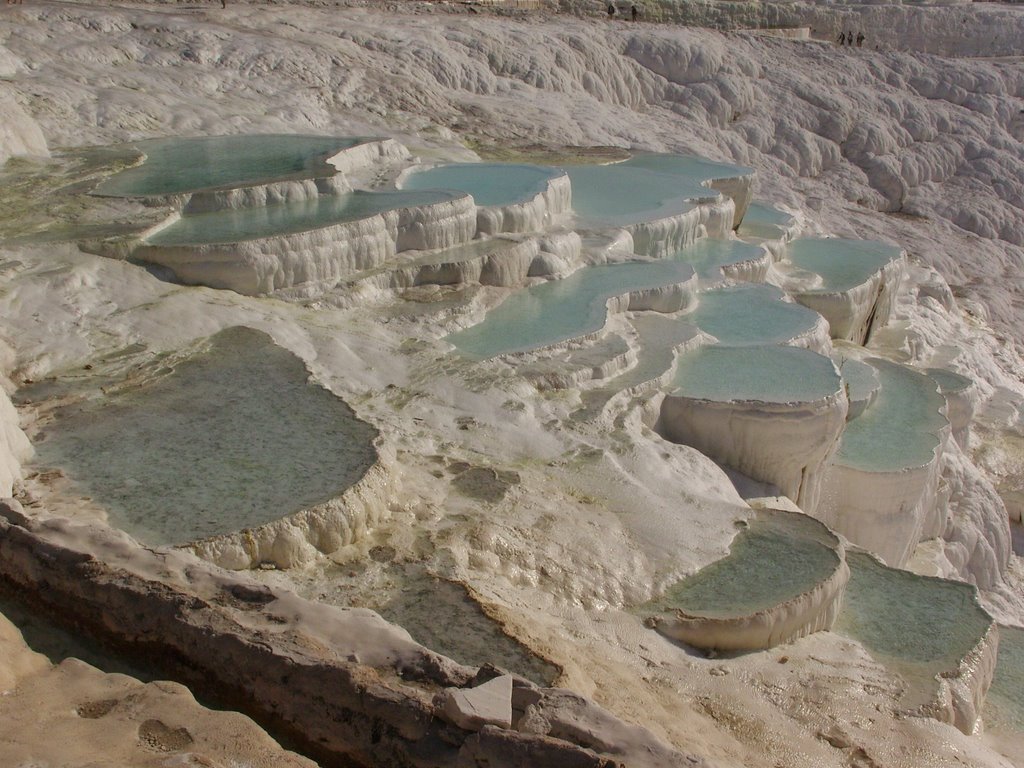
787, 445
361, 157
855, 314
812, 611
437, 225
15, 448
19, 133
961, 692
886, 513
506, 267
663, 237
318, 256
295, 540
739, 189
532, 215
276, 193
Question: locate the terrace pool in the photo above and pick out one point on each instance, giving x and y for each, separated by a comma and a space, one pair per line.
761, 374
178, 165
488, 183
563, 309
842, 264
230, 437
749, 315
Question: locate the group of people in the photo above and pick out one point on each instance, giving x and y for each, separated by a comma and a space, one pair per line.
847, 38
633, 11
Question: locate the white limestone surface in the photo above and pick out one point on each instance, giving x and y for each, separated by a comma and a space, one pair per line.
786, 435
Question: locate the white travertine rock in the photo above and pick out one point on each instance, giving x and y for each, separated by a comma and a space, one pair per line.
530, 216
486, 704
319, 256
789, 445
854, 315
662, 237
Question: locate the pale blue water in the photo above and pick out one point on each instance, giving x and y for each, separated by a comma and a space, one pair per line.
1004, 706
842, 264
917, 625
708, 256
860, 378
948, 381
177, 165
233, 437
766, 374
645, 187
763, 221
562, 309
773, 560
686, 166
749, 315
488, 183
900, 428
239, 224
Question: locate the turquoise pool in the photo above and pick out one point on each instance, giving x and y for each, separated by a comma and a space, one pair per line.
562, 309
488, 183
842, 264
766, 374
749, 315
178, 165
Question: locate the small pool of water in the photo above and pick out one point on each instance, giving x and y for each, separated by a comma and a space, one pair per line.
1004, 705
488, 183
562, 309
765, 374
901, 428
775, 559
842, 264
232, 437
917, 625
748, 315
178, 165
708, 256
238, 224
949, 382
763, 221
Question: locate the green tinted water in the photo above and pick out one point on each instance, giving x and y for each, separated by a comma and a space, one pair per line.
901, 428
775, 559
1004, 706
918, 625
765, 374
178, 165
232, 437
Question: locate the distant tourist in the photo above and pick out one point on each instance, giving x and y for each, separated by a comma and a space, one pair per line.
635, 11
611, 10
849, 38
842, 38
860, 39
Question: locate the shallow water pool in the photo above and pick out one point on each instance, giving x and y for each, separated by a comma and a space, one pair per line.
749, 315
766, 374
488, 183
178, 165
231, 437
562, 309
842, 264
